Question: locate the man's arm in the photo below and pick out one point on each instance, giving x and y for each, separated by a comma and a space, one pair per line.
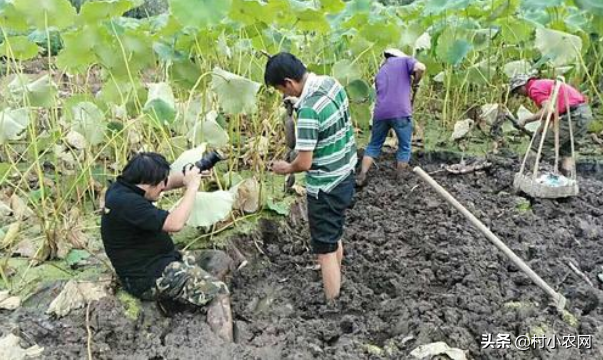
175, 181
303, 162
543, 113
417, 72
177, 218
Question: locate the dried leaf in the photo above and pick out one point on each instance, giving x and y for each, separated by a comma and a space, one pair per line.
8, 302
5, 210
247, 195
11, 235
76, 140
10, 349
438, 348
461, 129
75, 295
26, 248
20, 208
299, 190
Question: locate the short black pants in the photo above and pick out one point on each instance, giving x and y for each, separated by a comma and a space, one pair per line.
326, 215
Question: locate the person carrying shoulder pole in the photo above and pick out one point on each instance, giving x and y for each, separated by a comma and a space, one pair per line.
540, 92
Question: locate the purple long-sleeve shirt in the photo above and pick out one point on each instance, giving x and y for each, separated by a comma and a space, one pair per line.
393, 83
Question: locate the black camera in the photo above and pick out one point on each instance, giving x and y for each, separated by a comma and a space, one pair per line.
208, 161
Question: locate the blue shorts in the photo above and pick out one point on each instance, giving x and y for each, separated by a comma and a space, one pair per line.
403, 129
326, 215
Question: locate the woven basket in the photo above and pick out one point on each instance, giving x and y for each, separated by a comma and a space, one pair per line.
537, 189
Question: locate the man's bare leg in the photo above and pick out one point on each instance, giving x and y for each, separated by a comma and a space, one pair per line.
339, 252
219, 317
567, 166
331, 274
367, 162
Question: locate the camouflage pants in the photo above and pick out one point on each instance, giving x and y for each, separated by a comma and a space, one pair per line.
186, 282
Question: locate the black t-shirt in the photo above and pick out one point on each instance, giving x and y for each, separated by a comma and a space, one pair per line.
131, 229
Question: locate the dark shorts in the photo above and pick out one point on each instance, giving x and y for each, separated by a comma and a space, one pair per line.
326, 215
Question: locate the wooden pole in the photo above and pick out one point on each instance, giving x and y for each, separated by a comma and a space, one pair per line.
557, 298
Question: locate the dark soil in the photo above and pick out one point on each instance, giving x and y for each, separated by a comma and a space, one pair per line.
415, 272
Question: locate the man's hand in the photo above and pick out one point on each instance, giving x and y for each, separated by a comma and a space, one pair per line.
281, 167
192, 177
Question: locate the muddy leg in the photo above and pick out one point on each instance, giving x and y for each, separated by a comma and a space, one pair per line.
367, 162
339, 252
219, 317
331, 274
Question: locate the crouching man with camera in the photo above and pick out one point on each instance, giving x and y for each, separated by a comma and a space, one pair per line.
136, 237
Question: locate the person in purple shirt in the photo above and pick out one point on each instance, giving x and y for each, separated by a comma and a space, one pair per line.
394, 82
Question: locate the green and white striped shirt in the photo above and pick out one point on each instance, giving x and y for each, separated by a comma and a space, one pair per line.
324, 126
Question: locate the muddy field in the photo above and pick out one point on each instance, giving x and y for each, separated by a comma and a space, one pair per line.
415, 272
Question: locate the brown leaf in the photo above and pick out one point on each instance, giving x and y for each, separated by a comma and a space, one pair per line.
19, 207
26, 248
11, 235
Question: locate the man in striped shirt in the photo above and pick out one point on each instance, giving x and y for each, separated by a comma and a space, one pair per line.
326, 152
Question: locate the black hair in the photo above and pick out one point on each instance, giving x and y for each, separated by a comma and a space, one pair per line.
281, 66
388, 55
146, 168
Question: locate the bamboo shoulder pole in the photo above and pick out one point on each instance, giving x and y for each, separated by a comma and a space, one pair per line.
558, 298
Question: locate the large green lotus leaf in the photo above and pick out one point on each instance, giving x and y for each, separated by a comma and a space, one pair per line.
139, 50
18, 48
95, 11
537, 18
480, 73
200, 14
12, 123
188, 157
38, 93
332, 6
452, 49
540, 4
435, 7
89, 121
515, 31
356, 6
10, 18
381, 33
160, 104
361, 115
358, 91
120, 92
210, 208
503, 8
78, 49
592, 6
356, 21
559, 47
250, 12
45, 14
410, 34
345, 71
576, 20
517, 67
209, 131
312, 20
236, 94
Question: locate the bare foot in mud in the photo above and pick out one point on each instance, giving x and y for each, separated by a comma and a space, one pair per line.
219, 317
